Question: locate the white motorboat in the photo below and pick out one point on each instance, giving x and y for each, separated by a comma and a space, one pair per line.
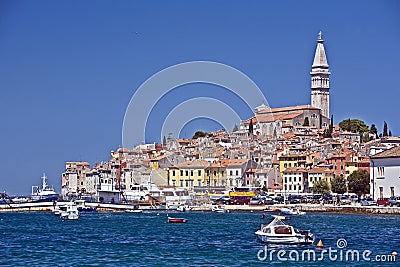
134, 210
70, 213
218, 209
277, 232
285, 211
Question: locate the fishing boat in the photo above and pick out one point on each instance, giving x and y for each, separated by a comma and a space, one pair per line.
277, 232
70, 213
44, 194
177, 220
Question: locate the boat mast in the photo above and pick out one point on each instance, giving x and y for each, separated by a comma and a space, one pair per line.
44, 184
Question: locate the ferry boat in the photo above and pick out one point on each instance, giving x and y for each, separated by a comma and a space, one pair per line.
44, 194
277, 232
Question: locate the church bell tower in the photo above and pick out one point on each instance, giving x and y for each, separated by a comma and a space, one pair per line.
320, 79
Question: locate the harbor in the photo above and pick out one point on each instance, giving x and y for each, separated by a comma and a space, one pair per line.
108, 207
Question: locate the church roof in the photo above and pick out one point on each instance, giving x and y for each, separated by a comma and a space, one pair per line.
320, 56
287, 109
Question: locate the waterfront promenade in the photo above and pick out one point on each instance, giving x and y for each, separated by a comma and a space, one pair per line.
104, 207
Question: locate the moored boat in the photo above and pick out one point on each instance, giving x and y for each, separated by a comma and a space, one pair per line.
70, 212
285, 211
218, 209
44, 194
177, 220
277, 232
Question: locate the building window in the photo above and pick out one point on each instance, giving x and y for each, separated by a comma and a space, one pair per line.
191, 173
173, 173
237, 172
231, 173
392, 191
215, 173
181, 173
381, 171
199, 173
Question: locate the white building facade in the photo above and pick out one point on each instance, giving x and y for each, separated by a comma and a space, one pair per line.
385, 173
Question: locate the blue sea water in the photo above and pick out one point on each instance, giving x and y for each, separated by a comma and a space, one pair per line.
208, 239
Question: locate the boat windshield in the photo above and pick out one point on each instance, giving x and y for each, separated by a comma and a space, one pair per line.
283, 230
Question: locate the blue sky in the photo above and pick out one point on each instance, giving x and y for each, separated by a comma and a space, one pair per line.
69, 68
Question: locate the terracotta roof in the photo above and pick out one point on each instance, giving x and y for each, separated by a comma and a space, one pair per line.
295, 169
293, 108
390, 153
272, 118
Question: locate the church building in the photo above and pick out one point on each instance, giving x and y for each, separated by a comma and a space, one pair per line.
276, 121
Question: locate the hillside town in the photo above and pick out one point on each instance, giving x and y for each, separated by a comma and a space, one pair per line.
281, 151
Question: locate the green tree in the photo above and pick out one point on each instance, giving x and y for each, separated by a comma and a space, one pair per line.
328, 132
321, 187
164, 141
199, 134
385, 129
373, 130
354, 125
235, 128
338, 185
359, 182
306, 122
251, 126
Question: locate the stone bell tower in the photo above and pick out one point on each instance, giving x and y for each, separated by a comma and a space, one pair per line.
320, 79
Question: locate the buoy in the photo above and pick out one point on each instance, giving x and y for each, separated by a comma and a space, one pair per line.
319, 244
394, 254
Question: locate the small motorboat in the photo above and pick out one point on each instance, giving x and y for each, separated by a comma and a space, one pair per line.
285, 211
183, 208
134, 210
277, 232
70, 213
177, 220
218, 209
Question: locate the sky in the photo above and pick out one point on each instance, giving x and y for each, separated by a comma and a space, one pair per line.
68, 69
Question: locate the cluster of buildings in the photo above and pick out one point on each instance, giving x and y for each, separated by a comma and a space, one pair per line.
281, 150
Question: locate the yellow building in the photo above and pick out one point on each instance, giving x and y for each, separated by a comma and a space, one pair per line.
216, 174
188, 174
291, 160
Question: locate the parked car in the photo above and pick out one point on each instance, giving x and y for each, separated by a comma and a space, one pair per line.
226, 200
278, 199
394, 201
268, 201
293, 200
383, 201
353, 198
368, 202
240, 200
256, 201
344, 200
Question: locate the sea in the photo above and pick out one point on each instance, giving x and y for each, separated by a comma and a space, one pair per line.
207, 239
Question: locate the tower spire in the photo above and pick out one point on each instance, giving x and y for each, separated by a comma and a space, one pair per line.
320, 78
